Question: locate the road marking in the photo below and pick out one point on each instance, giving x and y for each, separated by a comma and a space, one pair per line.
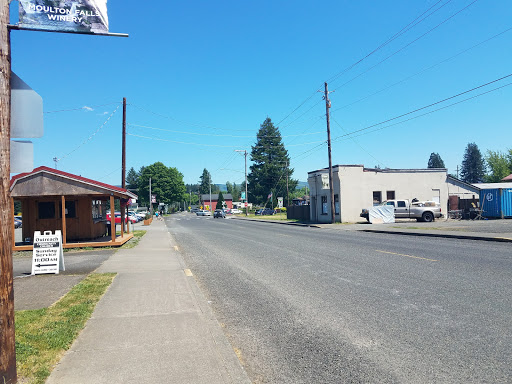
412, 257
188, 273
176, 248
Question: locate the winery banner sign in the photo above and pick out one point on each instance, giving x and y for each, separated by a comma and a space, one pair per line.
64, 15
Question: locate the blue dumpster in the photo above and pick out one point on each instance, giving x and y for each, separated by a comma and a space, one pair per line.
496, 202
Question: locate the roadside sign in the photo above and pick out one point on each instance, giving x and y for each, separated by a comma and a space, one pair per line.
47, 256
246, 205
243, 196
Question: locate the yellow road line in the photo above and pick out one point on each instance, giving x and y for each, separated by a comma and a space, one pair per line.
399, 254
188, 273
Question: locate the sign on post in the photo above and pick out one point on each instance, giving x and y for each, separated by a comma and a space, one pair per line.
47, 256
74, 16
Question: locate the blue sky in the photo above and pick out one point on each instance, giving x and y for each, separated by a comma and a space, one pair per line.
200, 77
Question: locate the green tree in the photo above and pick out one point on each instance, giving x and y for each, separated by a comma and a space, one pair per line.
220, 201
435, 161
234, 190
132, 179
166, 183
473, 166
270, 165
205, 182
498, 166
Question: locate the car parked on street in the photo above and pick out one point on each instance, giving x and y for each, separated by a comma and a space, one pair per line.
17, 223
219, 213
265, 211
203, 212
117, 217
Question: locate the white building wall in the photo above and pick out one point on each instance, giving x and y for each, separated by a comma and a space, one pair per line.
358, 184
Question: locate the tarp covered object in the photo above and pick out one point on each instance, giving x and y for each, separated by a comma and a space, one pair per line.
65, 15
381, 214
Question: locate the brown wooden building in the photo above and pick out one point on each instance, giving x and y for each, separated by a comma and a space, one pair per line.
56, 200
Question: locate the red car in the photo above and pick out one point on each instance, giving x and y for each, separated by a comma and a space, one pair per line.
118, 218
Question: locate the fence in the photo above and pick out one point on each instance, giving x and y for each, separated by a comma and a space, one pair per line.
298, 212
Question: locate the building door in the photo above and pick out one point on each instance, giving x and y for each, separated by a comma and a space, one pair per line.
436, 195
314, 210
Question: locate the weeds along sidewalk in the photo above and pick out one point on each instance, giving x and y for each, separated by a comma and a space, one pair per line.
152, 326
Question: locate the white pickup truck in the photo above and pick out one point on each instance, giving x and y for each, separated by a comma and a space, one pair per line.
421, 210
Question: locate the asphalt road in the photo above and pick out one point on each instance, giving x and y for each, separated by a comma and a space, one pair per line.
306, 305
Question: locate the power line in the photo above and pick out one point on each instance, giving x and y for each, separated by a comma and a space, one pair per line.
423, 70
407, 45
346, 136
430, 105
359, 145
82, 108
189, 123
216, 135
407, 28
89, 138
333, 78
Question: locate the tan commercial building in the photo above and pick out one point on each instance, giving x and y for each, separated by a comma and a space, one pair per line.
357, 187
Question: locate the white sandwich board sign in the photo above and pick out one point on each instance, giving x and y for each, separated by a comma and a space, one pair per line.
47, 256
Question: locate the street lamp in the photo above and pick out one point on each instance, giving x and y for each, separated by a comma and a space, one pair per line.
246, 195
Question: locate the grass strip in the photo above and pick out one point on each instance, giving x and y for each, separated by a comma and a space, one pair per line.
132, 243
43, 335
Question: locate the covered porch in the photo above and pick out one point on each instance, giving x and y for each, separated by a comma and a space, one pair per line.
54, 200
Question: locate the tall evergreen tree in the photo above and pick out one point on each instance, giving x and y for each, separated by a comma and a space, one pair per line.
473, 166
435, 161
220, 201
132, 179
204, 182
270, 165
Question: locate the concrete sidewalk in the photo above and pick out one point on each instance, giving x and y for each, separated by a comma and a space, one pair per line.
152, 326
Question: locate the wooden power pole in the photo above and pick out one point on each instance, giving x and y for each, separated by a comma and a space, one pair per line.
328, 117
123, 166
7, 344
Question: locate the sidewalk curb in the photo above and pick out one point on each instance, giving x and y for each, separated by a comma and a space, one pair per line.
443, 235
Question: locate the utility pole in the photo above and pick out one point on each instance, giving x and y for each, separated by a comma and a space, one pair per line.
246, 196
123, 164
210, 177
328, 116
150, 200
287, 190
7, 343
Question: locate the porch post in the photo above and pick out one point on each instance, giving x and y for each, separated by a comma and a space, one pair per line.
13, 229
112, 219
63, 218
122, 216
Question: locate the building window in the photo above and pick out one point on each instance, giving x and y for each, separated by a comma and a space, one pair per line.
336, 204
46, 210
377, 197
99, 209
390, 195
70, 209
324, 205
